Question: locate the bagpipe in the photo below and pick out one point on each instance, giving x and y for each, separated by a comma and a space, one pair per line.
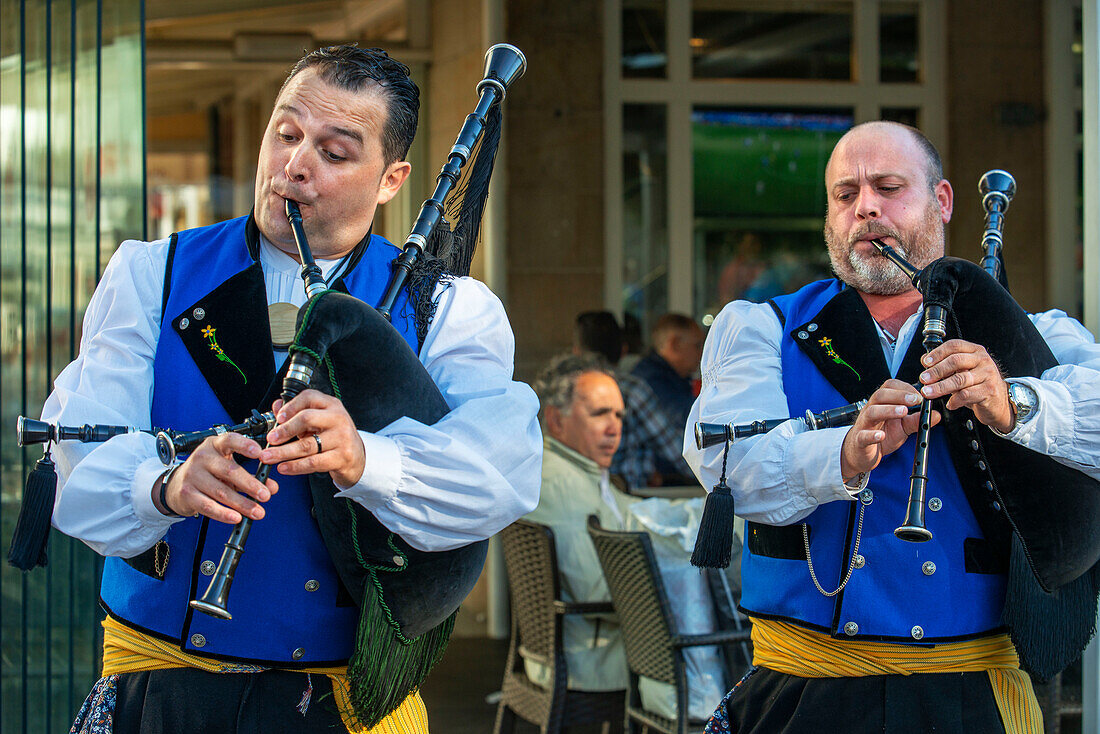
1040, 515
347, 348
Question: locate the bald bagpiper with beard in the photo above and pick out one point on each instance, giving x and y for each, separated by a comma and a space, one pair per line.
854, 629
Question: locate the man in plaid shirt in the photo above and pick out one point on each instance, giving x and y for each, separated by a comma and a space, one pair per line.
649, 452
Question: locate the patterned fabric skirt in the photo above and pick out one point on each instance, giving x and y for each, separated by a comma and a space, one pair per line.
195, 701
768, 702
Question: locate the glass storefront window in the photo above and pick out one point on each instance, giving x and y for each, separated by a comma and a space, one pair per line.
905, 115
645, 53
759, 201
645, 213
898, 42
71, 162
752, 44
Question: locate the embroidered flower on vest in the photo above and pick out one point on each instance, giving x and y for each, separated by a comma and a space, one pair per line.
827, 342
211, 336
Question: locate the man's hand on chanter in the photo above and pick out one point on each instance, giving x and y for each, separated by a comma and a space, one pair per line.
316, 434
213, 484
967, 373
882, 426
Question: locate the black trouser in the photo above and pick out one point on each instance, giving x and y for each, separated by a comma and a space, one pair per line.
767, 702
190, 701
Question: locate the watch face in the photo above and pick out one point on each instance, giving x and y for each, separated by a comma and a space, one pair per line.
1023, 399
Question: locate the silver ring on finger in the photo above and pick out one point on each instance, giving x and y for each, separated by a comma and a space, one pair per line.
317, 438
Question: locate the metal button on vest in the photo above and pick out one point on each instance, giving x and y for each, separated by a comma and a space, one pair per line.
185, 322
974, 446
207, 568
981, 466
996, 506
199, 314
934, 504
298, 653
851, 629
859, 561
198, 640
811, 327
988, 486
398, 561
969, 425
866, 496
312, 585
803, 335
917, 632
928, 568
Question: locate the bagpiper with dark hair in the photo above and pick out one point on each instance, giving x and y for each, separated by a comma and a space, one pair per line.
189, 332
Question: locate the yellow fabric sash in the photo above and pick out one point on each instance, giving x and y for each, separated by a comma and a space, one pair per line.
787, 648
126, 650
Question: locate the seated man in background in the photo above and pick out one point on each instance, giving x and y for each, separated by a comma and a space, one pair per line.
677, 346
649, 438
582, 418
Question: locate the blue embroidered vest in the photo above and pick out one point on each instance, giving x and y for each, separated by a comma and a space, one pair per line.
289, 608
944, 589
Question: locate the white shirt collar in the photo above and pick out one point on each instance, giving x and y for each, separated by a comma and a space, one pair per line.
280, 261
895, 352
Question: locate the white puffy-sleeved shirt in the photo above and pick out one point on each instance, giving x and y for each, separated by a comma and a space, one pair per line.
439, 487
780, 477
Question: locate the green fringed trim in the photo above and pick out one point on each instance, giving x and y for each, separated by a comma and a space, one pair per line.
387, 667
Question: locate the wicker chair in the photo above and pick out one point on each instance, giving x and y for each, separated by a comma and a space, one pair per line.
653, 647
537, 613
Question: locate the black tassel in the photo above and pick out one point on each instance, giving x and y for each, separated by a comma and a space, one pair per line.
1050, 631
465, 206
32, 529
714, 543
474, 193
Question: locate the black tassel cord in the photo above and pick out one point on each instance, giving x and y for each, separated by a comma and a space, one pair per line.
450, 252
32, 529
714, 543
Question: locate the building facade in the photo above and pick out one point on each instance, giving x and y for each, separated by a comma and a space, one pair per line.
658, 155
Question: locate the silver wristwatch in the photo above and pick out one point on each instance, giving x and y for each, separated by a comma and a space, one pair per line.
1024, 402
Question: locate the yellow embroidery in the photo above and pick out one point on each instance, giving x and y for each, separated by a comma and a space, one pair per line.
827, 342
210, 333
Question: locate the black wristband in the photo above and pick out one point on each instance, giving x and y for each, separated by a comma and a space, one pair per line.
164, 491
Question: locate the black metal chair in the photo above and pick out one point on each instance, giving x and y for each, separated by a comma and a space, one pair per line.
653, 646
537, 613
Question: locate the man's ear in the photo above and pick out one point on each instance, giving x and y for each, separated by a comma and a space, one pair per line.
392, 179
945, 198
553, 421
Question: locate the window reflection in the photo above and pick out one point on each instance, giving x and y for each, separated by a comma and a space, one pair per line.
645, 221
71, 165
898, 42
772, 45
645, 54
759, 201
905, 115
